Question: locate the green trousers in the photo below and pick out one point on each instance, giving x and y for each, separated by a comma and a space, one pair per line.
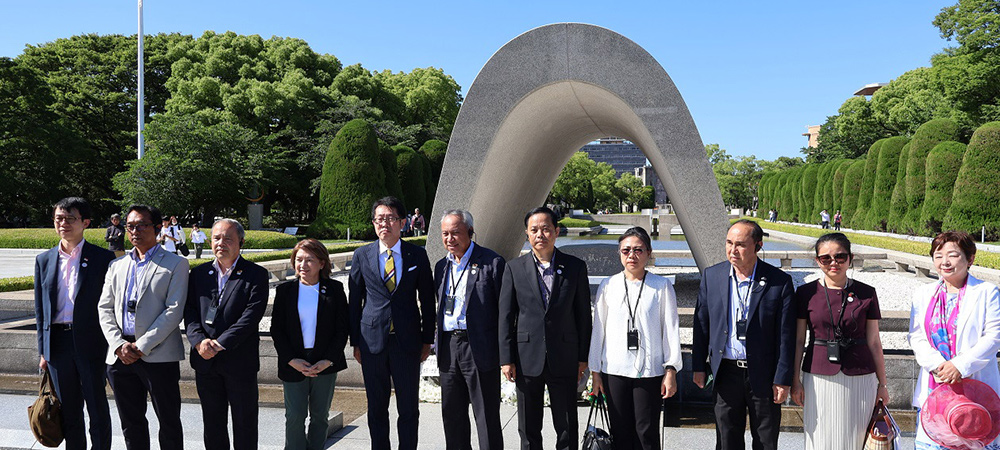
311, 396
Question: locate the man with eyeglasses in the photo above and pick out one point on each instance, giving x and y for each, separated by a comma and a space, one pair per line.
140, 311
391, 299
69, 279
226, 301
744, 331
544, 331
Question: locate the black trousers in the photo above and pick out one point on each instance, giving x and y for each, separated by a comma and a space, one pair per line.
634, 406
733, 400
221, 392
79, 377
161, 381
461, 384
562, 401
392, 367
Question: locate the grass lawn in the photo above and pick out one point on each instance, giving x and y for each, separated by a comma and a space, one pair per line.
570, 222
983, 259
42, 238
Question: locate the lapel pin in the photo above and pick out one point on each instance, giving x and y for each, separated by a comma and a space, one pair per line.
239, 272
84, 264
322, 290
850, 297
211, 272
762, 283
559, 271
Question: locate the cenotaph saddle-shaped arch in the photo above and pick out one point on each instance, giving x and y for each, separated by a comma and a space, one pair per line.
539, 99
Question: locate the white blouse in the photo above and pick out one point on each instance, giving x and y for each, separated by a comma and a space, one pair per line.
308, 306
656, 320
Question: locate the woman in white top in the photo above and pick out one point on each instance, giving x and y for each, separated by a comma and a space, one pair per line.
635, 349
954, 326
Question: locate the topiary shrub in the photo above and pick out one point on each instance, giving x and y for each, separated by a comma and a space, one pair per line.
808, 194
827, 172
867, 186
411, 177
352, 180
435, 150
852, 192
975, 202
885, 181
943, 164
897, 206
838, 184
822, 182
388, 160
926, 137
790, 194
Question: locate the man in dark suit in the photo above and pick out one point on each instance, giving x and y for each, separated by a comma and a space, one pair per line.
226, 300
391, 296
745, 325
68, 283
468, 286
544, 331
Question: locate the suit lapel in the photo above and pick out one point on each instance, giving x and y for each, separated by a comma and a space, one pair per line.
536, 288
293, 317
154, 265
52, 279
376, 268
84, 266
557, 276
473, 275
234, 277
756, 289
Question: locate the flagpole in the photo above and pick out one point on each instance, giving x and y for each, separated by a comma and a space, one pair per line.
140, 94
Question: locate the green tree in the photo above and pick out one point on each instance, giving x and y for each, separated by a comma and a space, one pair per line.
943, 164
839, 175
790, 194
975, 202
411, 177
848, 133
431, 98
927, 136
974, 24
390, 169
852, 191
583, 182
807, 192
632, 191
911, 100
435, 151
885, 181
897, 207
867, 186
352, 180
192, 168
823, 198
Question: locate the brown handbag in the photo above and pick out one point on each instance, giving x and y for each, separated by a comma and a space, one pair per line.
882, 430
45, 415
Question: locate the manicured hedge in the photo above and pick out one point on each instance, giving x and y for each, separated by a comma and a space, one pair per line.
17, 284
570, 222
976, 199
926, 137
435, 150
885, 181
790, 195
411, 177
860, 216
807, 192
943, 164
391, 170
40, 238
822, 189
352, 180
897, 208
838, 183
852, 191
764, 202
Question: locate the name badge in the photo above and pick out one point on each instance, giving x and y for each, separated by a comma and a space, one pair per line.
633, 340
210, 315
449, 305
741, 330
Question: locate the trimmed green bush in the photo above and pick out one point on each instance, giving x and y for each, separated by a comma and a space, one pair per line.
17, 284
838, 184
827, 182
822, 182
975, 202
790, 195
762, 197
926, 137
411, 178
570, 222
40, 238
388, 160
435, 150
808, 194
430, 187
897, 207
867, 186
352, 180
885, 181
852, 191
943, 164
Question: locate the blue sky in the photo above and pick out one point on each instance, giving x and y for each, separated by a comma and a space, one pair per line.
753, 74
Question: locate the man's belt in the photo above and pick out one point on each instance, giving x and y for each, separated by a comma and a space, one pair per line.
459, 333
61, 327
740, 363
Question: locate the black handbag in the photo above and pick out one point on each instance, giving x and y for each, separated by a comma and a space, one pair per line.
45, 415
596, 438
183, 248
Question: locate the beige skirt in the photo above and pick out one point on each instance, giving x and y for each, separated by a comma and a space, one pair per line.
837, 410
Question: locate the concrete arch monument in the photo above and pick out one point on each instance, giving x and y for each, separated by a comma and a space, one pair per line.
539, 99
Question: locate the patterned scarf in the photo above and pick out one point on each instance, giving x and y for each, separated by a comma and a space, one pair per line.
942, 327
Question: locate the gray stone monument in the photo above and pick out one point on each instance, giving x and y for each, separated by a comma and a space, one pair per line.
539, 99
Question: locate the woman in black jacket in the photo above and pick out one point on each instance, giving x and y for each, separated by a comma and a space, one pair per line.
309, 327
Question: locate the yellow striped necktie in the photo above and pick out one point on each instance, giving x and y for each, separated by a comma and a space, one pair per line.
389, 277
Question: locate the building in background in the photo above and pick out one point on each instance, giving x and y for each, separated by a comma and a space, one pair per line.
813, 135
626, 157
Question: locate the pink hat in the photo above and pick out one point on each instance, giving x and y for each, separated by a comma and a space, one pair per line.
962, 416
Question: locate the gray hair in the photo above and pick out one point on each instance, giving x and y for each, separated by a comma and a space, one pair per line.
233, 222
460, 213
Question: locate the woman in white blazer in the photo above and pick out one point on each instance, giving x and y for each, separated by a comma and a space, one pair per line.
957, 316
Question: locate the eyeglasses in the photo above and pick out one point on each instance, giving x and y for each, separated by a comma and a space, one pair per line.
826, 260
385, 219
637, 250
137, 227
69, 220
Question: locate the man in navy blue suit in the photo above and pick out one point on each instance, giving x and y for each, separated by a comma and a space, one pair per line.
391, 300
468, 284
744, 329
69, 279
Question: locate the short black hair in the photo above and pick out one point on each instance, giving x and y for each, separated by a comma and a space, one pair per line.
70, 203
837, 238
392, 202
154, 214
640, 233
542, 210
756, 232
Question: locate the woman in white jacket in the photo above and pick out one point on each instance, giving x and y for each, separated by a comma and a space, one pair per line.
954, 325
